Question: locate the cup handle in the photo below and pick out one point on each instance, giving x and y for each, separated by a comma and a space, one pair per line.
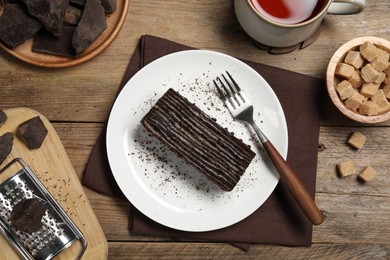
346, 6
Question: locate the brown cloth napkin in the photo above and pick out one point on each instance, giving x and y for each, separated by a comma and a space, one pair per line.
279, 221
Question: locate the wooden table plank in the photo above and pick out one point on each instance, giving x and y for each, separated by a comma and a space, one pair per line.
165, 250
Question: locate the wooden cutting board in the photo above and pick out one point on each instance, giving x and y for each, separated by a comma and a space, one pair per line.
52, 166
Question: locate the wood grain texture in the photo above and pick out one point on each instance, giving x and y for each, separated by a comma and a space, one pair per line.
78, 100
53, 168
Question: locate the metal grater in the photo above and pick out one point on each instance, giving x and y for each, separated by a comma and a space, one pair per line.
57, 232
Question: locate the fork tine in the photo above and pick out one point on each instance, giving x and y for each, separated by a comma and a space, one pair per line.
227, 96
232, 89
233, 81
219, 90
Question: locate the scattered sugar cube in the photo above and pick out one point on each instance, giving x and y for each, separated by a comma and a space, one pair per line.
367, 174
369, 74
369, 108
346, 168
380, 98
357, 140
354, 101
345, 89
354, 58
369, 89
344, 70
356, 79
368, 51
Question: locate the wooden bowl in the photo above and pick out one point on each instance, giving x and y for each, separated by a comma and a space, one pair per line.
332, 80
114, 21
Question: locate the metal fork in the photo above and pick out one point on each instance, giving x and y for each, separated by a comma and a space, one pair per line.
241, 109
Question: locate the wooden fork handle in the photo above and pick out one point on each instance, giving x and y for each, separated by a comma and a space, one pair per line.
294, 184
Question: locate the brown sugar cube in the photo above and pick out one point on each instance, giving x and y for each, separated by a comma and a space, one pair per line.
356, 79
354, 58
354, 101
357, 140
33, 131
383, 110
344, 70
345, 89
386, 80
369, 89
368, 51
3, 117
346, 168
379, 64
369, 108
380, 98
369, 74
382, 54
387, 71
381, 78
386, 90
367, 174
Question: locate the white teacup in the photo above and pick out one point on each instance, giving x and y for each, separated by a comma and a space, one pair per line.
277, 34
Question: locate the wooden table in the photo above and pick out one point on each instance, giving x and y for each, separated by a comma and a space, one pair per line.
77, 101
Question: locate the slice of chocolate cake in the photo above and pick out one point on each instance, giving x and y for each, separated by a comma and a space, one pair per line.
200, 140
26, 216
6, 143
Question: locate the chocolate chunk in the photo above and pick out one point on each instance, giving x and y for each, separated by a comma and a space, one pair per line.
26, 216
51, 13
6, 142
92, 24
44, 42
72, 15
33, 131
78, 2
16, 26
3, 117
109, 6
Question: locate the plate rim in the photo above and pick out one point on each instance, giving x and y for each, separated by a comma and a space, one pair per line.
162, 59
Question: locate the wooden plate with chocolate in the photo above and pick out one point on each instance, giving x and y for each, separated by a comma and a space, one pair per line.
68, 45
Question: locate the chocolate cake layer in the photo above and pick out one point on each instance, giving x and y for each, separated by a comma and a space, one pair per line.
199, 139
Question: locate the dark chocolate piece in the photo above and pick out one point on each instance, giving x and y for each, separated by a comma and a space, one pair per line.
33, 131
51, 13
72, 15
198, 139
78, 2
92, 24
44, 42
6, 143
3, 117
109, 6
26, 216
16, 26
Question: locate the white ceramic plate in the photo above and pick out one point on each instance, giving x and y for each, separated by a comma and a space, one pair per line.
161, 185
